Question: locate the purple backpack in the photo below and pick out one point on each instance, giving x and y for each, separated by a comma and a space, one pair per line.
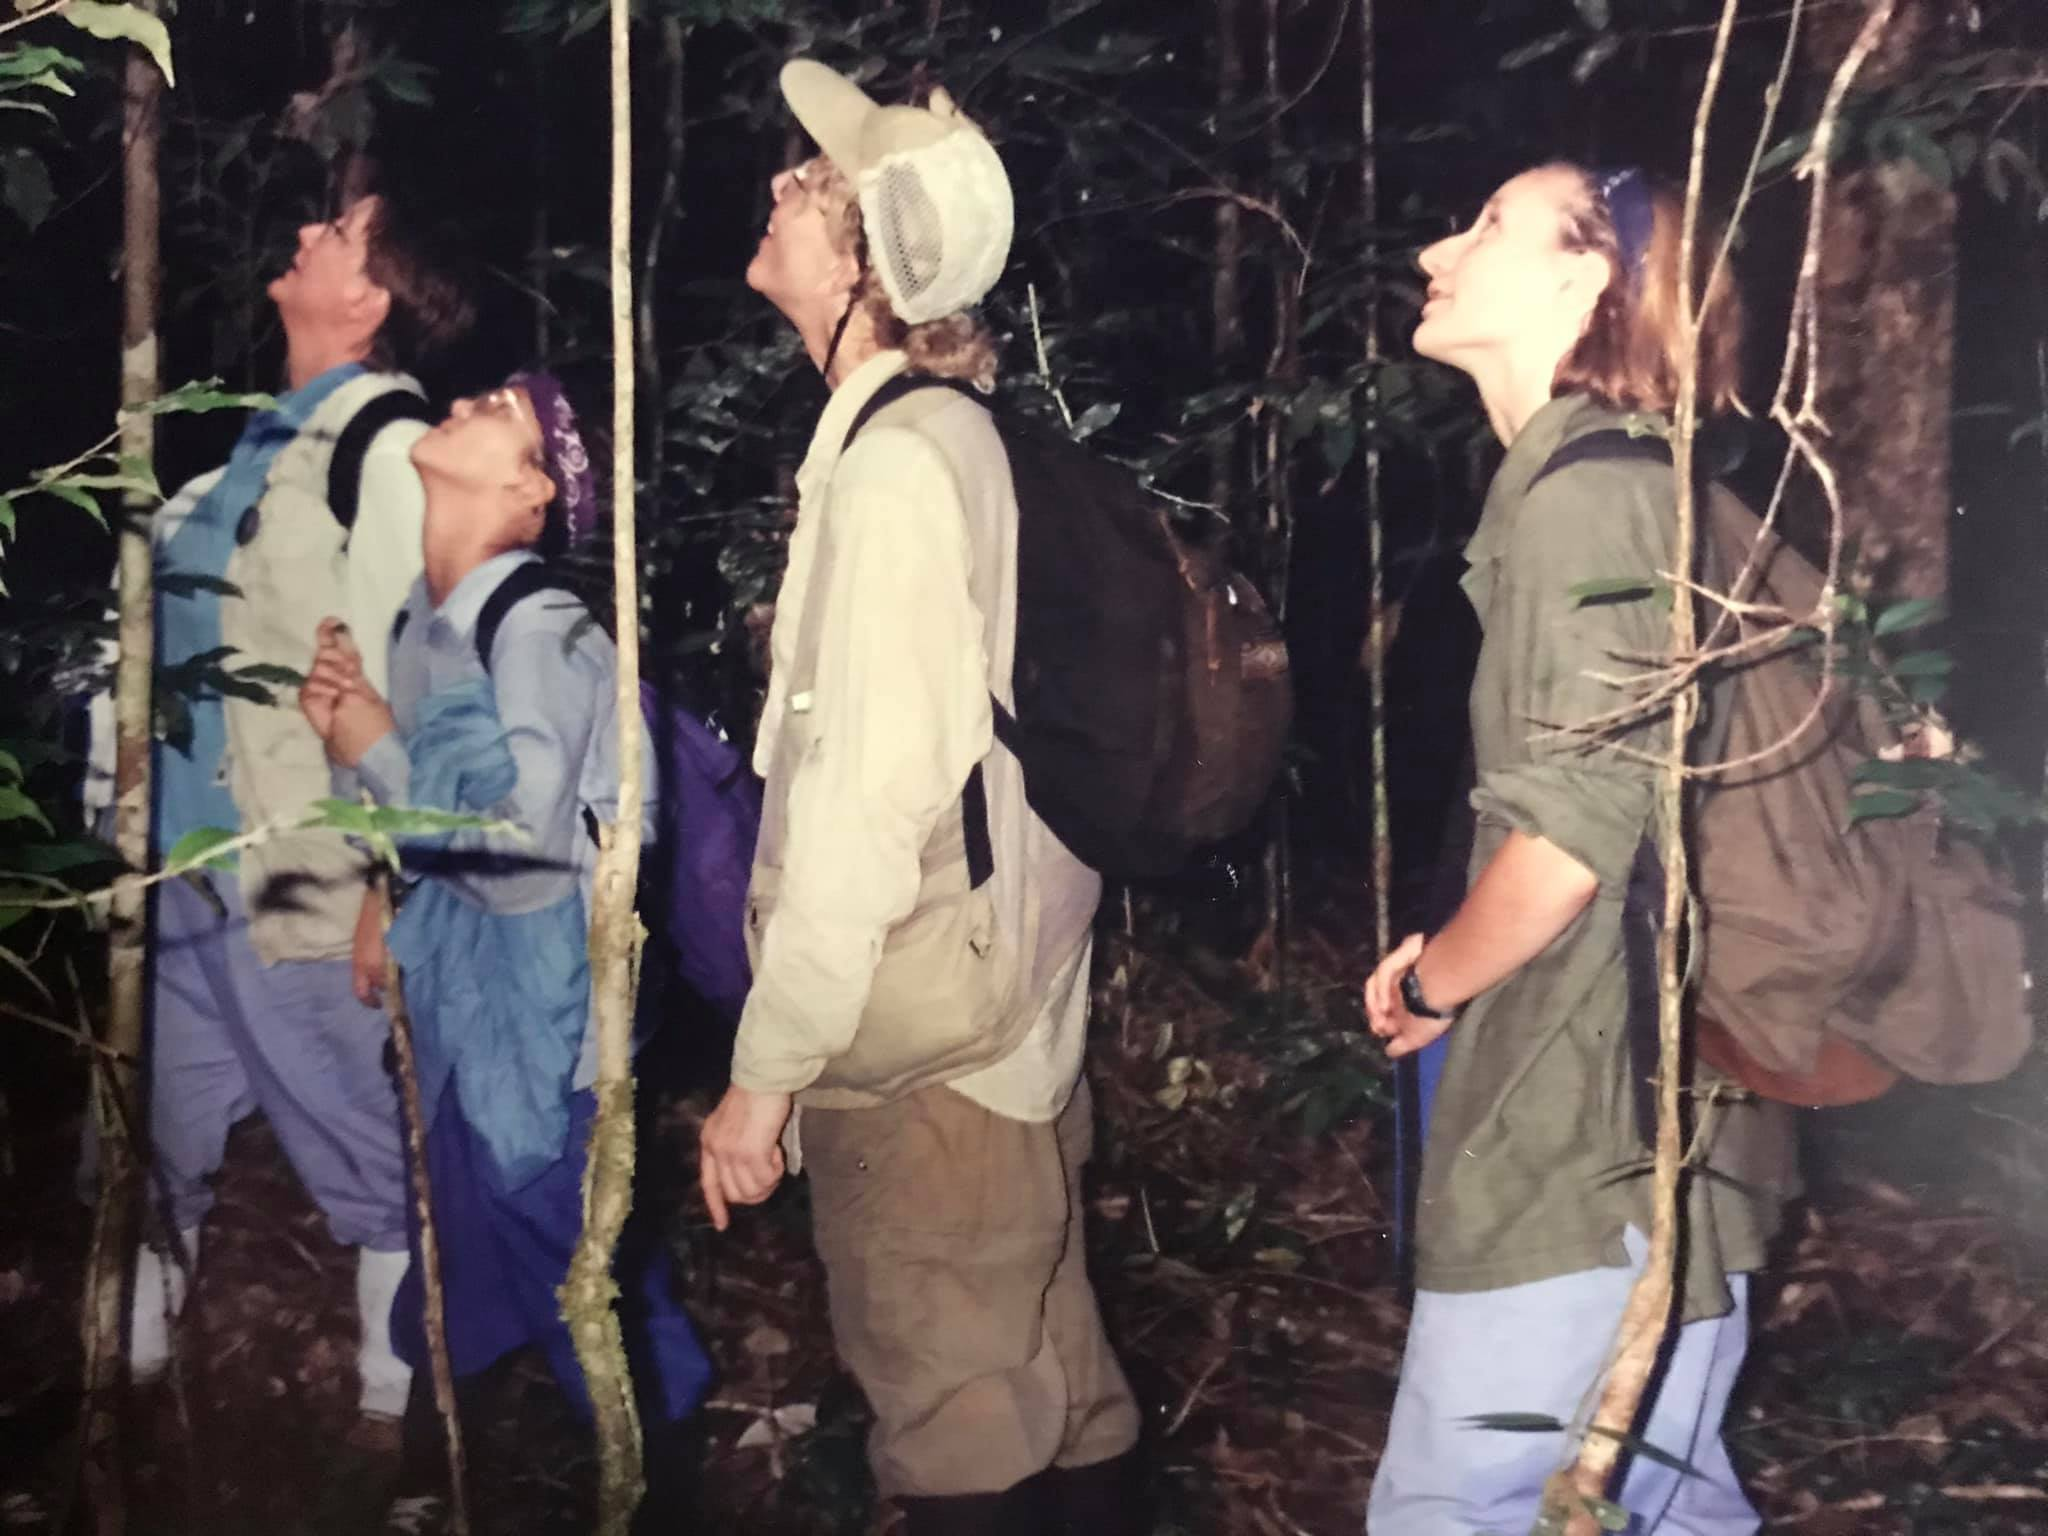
693, 884
693, 876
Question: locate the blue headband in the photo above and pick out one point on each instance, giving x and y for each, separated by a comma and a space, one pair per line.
1626, 192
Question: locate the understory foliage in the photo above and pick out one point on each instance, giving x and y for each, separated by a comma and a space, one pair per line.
1196, 290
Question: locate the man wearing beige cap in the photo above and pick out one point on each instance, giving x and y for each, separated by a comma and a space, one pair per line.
920, 939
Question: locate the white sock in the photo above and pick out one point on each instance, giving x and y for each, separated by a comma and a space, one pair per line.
386, 1378
160, 1284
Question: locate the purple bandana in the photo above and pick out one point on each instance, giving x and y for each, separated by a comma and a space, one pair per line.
568, 461
1626, 192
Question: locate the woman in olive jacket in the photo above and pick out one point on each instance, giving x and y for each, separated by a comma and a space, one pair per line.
1561, 303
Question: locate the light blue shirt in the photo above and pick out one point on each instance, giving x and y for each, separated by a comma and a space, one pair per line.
554, 673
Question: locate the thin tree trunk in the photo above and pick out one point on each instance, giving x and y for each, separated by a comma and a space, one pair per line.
1277, 552
435, 1296
1226, 299
674, 40
116, 1099
589, 1291
1571, 1497
1382, 837
1888, 278
539, 262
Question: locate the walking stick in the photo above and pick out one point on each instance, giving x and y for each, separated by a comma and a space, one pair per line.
430, 1242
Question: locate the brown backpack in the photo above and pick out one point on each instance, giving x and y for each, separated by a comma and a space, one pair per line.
1834, 957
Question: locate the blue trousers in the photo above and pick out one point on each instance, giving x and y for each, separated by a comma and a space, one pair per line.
504, 1255
230, 1035
1538, 1348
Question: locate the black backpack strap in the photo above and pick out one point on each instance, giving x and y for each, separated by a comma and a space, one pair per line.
981, 857
523, 582
905, 384
1610, 445
352, 447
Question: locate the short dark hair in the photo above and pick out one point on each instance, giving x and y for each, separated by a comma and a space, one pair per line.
424, 272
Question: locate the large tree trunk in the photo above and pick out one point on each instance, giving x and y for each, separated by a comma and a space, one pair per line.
1887, 321
116, 1100
589, 1291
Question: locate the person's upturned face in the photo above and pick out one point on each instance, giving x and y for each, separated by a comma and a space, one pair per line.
795, 267
1508, 278
492, 444
329, 276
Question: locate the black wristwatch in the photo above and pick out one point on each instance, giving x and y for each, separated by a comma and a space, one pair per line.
1413, 1000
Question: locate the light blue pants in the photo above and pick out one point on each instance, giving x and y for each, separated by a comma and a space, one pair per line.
230, 1035
1538, 1348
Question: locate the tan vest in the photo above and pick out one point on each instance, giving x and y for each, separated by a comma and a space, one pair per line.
946, 1000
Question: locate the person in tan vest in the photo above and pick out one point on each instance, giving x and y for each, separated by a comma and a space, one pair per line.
921, 940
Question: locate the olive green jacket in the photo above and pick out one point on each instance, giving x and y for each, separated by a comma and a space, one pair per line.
1536, 1160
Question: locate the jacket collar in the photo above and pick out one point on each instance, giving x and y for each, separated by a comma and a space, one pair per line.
1560, 421
854, 391
462, 607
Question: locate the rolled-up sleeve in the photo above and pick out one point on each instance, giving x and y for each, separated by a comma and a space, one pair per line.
1591, 799
898, 716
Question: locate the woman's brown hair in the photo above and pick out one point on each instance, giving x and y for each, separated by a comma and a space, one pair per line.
1628, 356
951, 347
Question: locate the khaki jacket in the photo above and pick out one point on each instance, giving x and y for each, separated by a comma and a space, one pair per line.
877, 971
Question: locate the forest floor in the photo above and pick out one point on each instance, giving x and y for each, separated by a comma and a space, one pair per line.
1898, 1381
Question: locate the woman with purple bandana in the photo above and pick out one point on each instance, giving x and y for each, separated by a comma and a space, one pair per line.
1535, 1002
492, 934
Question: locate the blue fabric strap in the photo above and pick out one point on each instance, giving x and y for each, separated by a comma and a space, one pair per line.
1626, 192
190, 782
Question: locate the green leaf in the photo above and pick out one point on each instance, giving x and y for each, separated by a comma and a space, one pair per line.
56, 858
1519, 1423
10, 765
1613, 589
271, 673
1916, 144
1095, 418
205, 395
1882, 805
1924, 664
1916, 612
1597, 53
32, 63
198, 848
115, 22
1542, 48
25, 186
141, 485
1784, 152
64, 490
1597, 14
15, 805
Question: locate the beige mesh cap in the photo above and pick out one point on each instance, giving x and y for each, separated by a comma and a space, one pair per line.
934, 197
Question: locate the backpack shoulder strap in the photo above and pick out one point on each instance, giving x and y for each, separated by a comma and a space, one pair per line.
352, 447
974, 794
1610, 445
524, 581
899, 388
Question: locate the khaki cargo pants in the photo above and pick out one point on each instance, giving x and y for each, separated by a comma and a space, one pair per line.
954, 1256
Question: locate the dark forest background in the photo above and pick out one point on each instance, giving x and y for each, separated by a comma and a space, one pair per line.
1219, 204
